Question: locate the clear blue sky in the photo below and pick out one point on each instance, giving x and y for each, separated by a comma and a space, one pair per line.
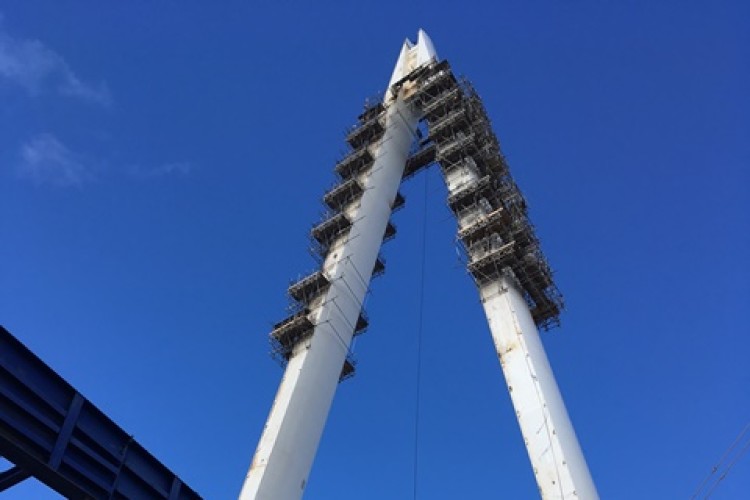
161, 164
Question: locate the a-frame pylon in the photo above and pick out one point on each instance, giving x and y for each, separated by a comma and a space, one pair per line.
504, 258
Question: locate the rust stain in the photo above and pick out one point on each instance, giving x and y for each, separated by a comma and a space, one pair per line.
510, 347
256, 463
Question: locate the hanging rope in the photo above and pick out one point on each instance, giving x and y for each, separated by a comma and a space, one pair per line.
419, 333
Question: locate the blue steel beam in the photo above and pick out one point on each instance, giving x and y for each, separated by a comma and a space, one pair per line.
50, 431
12, 477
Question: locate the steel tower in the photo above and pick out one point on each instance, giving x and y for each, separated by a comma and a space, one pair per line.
504, 258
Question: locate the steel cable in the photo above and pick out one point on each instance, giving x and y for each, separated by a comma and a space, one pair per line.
718, 465
419, 334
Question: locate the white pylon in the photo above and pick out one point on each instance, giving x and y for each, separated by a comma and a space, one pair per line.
285, 453
556, 458
287, 447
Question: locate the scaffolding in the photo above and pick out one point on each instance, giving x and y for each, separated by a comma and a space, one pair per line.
325, 233
286, 334
289, 333
428, 116
363, 322
390, 232
379, 268
369, 129
354, 163
398, 202
343, 194
350, 366
422, 158
309, 287
494, 228
308, 293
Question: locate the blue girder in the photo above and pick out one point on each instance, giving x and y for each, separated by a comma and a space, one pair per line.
50, 431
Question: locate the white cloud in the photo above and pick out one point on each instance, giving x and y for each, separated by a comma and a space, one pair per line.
37, 68
46, 160
180, 168
174, 168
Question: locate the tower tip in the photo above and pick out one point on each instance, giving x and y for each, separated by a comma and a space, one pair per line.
425, 42
413, 56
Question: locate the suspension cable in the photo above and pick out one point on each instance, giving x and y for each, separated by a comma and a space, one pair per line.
727, 454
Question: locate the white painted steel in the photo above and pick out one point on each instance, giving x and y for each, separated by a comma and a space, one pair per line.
559, 466
413, 56
283, 459
285, 453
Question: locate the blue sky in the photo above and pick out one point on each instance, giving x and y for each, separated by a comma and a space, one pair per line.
161, 165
